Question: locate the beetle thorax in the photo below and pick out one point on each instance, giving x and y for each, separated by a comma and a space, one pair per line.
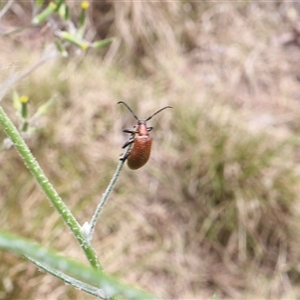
142, 128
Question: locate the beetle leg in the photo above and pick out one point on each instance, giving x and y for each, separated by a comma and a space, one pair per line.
128, 143
123, 158
129, 131
149, 128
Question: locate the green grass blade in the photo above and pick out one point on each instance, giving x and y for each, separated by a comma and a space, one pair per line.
86, 274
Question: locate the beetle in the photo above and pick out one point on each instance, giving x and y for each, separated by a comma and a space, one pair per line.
141, 140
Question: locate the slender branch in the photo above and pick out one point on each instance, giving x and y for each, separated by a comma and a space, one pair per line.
4, 87
7, 6
47, 187
108, 284
17, 30
95, 291
106, 195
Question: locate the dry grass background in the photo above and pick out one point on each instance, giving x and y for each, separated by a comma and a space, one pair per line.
216, 209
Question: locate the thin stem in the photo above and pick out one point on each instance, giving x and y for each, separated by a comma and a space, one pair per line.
95, 291
4, 87
7, 6
106, 195
17, 30
108, 284
47, 187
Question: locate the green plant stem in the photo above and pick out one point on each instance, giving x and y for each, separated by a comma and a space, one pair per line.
106, 195
87, 275
47, 187
95, 291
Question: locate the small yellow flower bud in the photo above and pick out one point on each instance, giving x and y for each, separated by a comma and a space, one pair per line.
52, 5
24, 99
84, 46
85, 5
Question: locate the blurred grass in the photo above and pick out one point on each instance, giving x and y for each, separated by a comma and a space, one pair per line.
215, 210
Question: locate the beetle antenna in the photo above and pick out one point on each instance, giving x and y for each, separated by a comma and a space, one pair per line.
157, 112
129, 110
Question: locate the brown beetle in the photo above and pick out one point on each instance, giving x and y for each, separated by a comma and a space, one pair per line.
141, 149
